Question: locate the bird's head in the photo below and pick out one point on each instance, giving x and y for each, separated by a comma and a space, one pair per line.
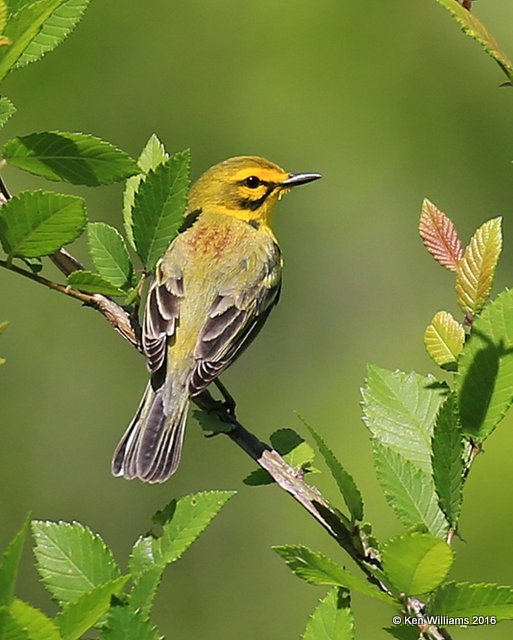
245, 187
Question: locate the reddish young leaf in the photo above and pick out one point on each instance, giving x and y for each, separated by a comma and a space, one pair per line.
440, 236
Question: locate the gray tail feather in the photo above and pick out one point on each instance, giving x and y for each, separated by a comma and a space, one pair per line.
151, 447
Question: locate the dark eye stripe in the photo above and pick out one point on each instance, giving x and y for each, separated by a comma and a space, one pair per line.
255, 203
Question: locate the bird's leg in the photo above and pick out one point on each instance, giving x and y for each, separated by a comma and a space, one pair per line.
229, 401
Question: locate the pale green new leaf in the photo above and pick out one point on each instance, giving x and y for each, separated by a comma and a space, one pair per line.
410, 491
71, 559
476, 30
10, 560
93, 283
439, 236
7, 109
184, 520
38, 223
124, 623
448, 459
55, 29
33, 622
460, 599
416, 563
80, 615
345, 482
22, 28
77, 158
332, 618
444, 338
153, 155
159, 207
476, 270
484, 382
109, 253
4, 14
316, 568
400, 410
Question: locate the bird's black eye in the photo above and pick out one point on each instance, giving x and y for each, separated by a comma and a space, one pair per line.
252, 182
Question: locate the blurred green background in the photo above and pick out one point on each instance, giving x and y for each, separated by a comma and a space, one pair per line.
391, 103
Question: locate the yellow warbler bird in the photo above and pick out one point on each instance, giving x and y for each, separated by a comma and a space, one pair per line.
211, 294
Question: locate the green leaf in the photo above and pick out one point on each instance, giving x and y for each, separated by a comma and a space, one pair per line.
109, 253
416, 563
153, 155
294, 450
476, 30
159, 207
55, 29
185, 521
144, 590
404, 632
410, 491
33, 622
444, 339
80, 615
126, 624
10, 561
76, 158
22, 28
448, 459
9, 628
93, 283
316, 568
400, 410
332, 618
345, 482
484, 382
38, 223
460, 599
7, 109
476, 270
71, 559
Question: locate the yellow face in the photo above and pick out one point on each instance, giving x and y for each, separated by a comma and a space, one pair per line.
245, 187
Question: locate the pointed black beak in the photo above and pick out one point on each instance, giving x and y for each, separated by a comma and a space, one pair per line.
296, 179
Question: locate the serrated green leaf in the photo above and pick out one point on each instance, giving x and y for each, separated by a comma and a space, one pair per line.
410, 491
316, 568
400, 410
77, 158
460, 599
439, 236
38, 223
153, 155
416, 563
476, 30
332, 618
33, 622
80, 615
9, 628
476, 270
144, 590
345, 482
71, 559
294, 450
484, 382
10, 559
93, 283
126, 624
448, 459
7, 109
55, 29
404, 632
186, 519
444, 338
22, 28
109, 253
159, 206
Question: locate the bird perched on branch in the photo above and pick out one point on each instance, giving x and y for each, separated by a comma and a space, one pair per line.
211, 294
